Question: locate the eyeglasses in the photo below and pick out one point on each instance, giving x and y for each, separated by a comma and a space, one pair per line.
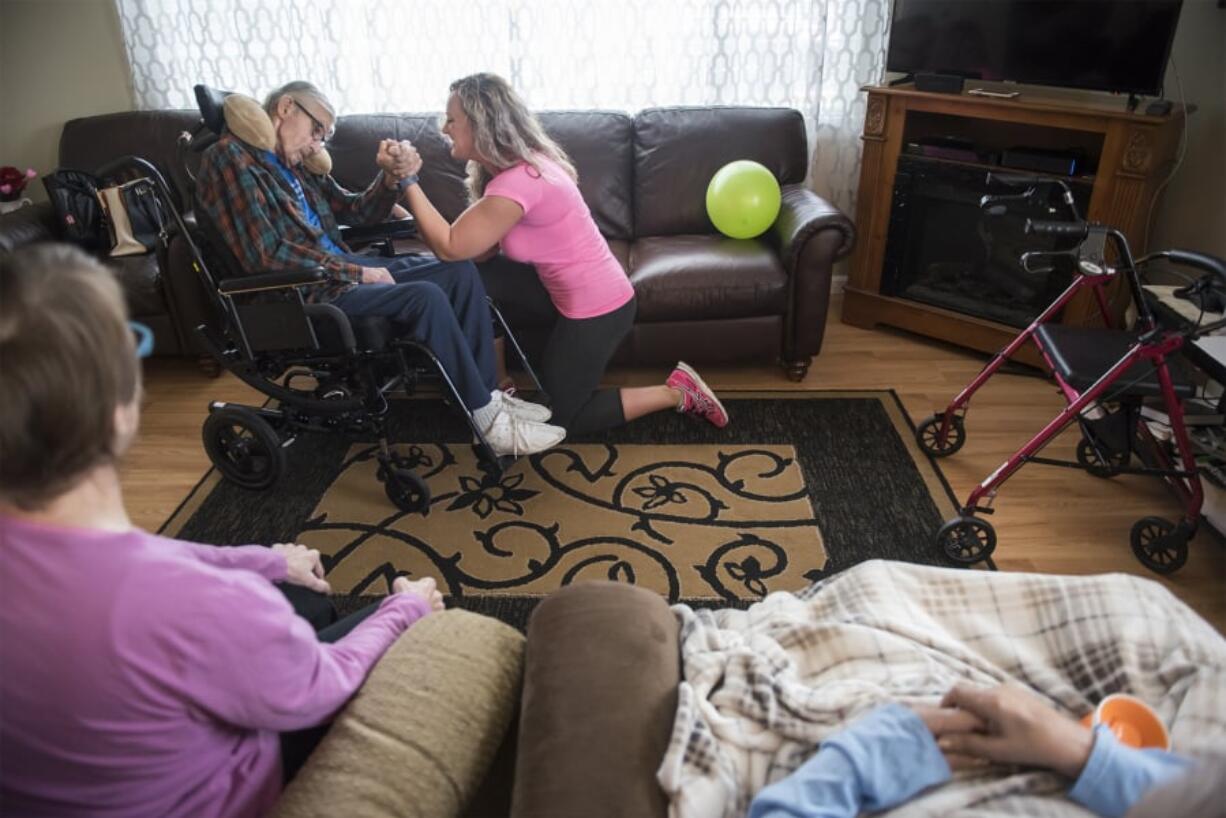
144, 339
318, 132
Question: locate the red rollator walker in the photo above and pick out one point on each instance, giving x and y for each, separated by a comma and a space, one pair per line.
1104, 374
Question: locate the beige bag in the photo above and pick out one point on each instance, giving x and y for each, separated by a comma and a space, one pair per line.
133, 216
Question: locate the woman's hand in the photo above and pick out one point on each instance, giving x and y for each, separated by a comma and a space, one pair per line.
426, 588
408, 161
303, 567
1019, 728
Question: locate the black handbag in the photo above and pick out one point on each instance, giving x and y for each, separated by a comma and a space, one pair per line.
74, 197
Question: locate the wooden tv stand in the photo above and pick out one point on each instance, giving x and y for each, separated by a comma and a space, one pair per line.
1128, 154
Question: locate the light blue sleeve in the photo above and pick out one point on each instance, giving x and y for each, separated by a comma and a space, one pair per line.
1116, 776
883, 759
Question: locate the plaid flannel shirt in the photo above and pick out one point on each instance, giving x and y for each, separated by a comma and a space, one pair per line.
260, 220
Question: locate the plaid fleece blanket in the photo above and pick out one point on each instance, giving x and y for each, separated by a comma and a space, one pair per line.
763, 687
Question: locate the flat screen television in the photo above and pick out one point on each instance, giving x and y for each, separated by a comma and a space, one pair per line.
1103, 45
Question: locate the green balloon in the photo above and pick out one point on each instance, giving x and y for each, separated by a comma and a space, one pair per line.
743, 199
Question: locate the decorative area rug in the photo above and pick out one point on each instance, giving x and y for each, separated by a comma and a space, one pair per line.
799, 486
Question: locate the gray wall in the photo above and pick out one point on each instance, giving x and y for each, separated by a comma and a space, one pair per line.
1192, 213
59, 59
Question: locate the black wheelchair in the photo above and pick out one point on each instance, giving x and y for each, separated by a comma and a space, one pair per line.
321, 370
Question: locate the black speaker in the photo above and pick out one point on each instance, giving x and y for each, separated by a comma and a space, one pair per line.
939, 83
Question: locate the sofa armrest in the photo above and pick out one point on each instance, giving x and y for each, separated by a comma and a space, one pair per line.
419, 736
803, 214
600, 694
27, 225
810, 235
282, 280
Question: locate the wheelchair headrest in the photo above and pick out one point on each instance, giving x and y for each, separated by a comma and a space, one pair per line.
246, 119
211, 102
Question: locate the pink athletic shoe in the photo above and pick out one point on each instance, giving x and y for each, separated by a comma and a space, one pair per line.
697, 397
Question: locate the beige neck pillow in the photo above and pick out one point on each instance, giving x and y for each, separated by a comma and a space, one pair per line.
248, 121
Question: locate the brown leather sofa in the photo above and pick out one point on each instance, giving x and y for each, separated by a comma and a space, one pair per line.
701, 297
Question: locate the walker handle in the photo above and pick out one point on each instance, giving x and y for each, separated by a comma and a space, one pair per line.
1077, 230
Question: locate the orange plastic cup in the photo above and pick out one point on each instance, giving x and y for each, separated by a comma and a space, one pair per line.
1131, 720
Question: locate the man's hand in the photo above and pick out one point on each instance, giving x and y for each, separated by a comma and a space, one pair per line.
1019, 728
383, 156
425, 588
303, 567
376, 275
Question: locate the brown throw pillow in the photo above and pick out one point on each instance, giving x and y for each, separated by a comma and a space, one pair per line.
420, 735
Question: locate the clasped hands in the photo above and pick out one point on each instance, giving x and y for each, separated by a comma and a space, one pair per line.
975, 726
398, 160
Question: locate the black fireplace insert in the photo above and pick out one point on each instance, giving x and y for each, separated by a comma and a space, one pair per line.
944, 250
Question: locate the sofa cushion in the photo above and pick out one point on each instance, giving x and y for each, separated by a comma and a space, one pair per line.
601, 144
600, 695
696, 278
141, 281
420, 734
678, 150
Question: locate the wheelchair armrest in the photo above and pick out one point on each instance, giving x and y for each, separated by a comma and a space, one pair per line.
364, 233
272, 281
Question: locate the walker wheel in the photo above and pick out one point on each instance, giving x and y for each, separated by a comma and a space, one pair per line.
1090, 461
929, 438
406, 489
243, 446
1159, 544
967, 540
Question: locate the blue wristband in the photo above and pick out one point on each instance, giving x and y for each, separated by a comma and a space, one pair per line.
404, 183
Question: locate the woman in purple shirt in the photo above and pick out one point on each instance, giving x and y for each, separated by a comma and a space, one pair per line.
139, 675
526, 198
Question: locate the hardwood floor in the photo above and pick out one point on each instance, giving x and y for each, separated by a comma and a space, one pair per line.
1049, 520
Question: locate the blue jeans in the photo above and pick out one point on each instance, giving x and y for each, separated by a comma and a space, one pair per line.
439, 304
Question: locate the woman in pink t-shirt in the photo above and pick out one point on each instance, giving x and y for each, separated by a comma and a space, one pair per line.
525, 197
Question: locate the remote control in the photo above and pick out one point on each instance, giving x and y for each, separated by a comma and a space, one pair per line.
983, 92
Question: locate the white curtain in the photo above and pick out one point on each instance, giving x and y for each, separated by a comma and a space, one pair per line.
400, 55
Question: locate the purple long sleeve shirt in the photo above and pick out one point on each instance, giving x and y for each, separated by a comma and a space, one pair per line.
146, 676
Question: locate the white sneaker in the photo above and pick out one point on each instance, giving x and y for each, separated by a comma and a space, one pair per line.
522, 409
516, 436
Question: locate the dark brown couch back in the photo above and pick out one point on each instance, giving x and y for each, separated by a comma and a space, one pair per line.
678, 150
641, 176
90, 142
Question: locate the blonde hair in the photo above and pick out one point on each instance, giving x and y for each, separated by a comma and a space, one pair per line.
67, 361
505, 131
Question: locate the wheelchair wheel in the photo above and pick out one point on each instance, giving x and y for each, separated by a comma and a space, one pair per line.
243, 447
1090, 461
928, 435
1159, 544
406, 489
967, 540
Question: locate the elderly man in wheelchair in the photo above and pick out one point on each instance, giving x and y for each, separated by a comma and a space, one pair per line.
265, 195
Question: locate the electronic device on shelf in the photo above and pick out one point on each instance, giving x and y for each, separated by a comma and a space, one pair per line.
1102, 45
949, 148
1042, 160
